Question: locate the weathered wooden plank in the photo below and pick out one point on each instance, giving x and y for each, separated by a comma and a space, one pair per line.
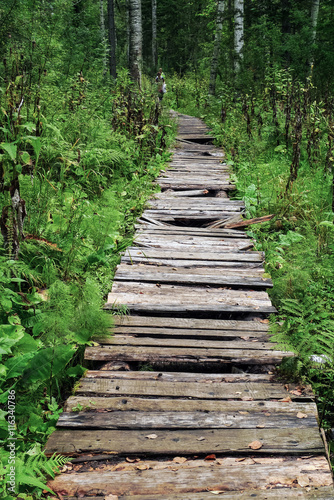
205, 203
182, 270
191, 333
231, 475
156, 308
295, 492
214, 293
193, 323
192, 254
216, 390
196, 241
141, 404
199, 378
170, 215
182, 342
274, 441
157, 355
168, 229
221, 265
188, 298
182, 186
191, 278
183, 420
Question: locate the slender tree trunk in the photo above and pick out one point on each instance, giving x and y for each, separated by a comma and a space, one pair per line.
154, 35
136, 40
112, 39
216, 47
103, 37
314, 22
238, 32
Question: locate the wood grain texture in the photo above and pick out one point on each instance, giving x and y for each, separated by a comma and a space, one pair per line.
222, 390
173, 442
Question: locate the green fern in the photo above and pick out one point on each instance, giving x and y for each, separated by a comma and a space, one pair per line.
33, 469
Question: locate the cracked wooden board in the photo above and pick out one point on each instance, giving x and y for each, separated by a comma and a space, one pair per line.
183, 420
142, 404
290, 492
187, 333
254, 391
214, 278
201, 272
191, 343
192, 323
204, 476
192, 356
291, 441
190, 253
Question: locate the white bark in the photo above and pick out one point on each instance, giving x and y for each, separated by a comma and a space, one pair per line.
314, 22
216, 47
103, 37
154, 34
238, 32
135, 41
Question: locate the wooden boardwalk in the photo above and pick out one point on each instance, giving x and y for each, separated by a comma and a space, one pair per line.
182, 402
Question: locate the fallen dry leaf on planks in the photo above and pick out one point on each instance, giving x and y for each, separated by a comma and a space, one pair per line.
255, 445
285, 400
244, 412
210, 457
303, 481
151, 436
111, 497
260, 426
202, 438
179, 460
142, 466
301, 415
297, 392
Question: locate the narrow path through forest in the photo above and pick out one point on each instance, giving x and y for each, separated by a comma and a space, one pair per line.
182, 402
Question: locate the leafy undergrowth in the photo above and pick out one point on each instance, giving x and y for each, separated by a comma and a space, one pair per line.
278, 138
77, 163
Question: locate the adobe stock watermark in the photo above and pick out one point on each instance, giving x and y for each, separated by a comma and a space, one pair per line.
11, 474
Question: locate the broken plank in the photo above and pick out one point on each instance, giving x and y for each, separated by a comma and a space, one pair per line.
274, 441
245, 223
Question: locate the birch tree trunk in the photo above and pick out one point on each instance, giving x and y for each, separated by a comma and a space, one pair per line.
135, 41
103, 37
314, 22
216, 47
112, 39
154, 35
238, 32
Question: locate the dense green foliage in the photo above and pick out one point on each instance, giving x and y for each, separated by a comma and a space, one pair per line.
78, 153
279, 143
82, 158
